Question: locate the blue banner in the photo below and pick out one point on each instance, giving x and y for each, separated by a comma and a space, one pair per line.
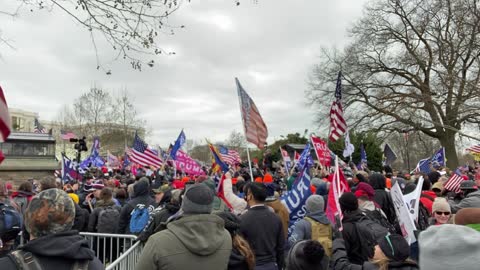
178, 144
295, 199
305, 158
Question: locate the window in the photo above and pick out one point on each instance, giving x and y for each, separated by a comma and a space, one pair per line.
22, 149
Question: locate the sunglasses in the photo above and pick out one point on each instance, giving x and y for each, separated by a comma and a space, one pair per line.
442, 213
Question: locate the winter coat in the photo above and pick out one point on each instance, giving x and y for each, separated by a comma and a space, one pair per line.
191, 242
282, 212
237, 261
99, 206
322, 190
384, 200
355, 250
81, 219
238, 204
303, 228
472, 200
57, 251
340, 260
140, 196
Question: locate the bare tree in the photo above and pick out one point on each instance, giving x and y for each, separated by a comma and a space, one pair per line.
410, 64
95, 107
125, 113
131, 27
236, 140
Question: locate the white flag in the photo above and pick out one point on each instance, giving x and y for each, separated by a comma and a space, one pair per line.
404, 218
412, 199
349, 148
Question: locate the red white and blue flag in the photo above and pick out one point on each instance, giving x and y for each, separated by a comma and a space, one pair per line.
338, 125
255, 129
142, 155
474, 149
67, 135
453, 183
38, 128
229, 156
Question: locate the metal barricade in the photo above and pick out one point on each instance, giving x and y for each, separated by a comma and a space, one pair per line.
110, 247
129, 259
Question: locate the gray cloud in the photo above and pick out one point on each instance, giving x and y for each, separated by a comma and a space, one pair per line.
270, 46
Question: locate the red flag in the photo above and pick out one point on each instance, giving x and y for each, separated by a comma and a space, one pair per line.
255, 129
5, 125
338, 186
296, 157
322, 151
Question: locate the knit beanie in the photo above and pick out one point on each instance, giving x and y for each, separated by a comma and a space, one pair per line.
198, 199
348, 202
307, 255
315, 203
440, 204
467, 216
364, 189
395, 247
50, 211
448, 246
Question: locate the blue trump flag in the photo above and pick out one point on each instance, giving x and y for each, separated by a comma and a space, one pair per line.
437, 160
94, 159
305, 158
295, 199
363, 158
178, 144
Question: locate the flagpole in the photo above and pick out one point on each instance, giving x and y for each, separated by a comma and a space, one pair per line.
250, 163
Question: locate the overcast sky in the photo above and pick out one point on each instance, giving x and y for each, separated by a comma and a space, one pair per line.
270, 46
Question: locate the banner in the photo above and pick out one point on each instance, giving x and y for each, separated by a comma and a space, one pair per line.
338, 186
295, 199
188, 165
286, 160
404, 218
412, 199
305, 158
322, 151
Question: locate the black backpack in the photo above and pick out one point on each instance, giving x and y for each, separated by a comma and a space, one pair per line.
108, 219
27, 261
376, 230
377, 216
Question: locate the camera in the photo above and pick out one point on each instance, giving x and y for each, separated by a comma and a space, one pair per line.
81, 145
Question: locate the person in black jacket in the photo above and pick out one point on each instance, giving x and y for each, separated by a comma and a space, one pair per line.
141, 196
53, 245
392, 252
242, 257
382, 197
263, 229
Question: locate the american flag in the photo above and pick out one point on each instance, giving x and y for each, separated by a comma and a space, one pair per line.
453, 183
67, 135
229, 156
5, 124
38, 128
255, 129
338, 126
142, 155
474, 149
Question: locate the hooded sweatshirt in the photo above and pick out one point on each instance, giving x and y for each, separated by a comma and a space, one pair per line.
191, 242
141, 195
57, 251
303, 228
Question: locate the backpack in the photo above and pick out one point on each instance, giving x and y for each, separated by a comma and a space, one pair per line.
139, 218
377, 216
423, 214
108, 219
366, 224
27, 261
323, 234
10, 222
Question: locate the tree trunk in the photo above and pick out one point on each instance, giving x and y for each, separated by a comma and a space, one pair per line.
448, 141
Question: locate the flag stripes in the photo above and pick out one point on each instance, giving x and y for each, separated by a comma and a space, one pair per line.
255, 128
338, 125
453, 183
230, 157
141, 155
474, 149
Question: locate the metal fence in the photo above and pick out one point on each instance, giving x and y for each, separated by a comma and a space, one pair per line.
110, 248
127, 260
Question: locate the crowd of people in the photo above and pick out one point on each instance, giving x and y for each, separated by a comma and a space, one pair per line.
188, 222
